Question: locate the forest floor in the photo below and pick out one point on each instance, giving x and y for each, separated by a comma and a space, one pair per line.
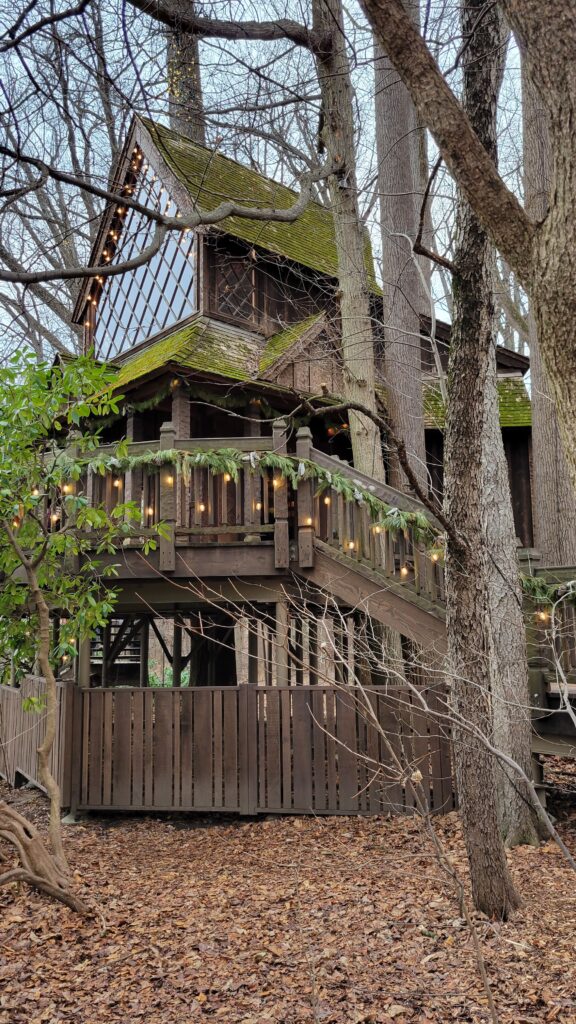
282, 921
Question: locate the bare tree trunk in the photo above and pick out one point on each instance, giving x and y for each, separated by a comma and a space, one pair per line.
399, 187
554, 508
186, 107
509, 669
351, 240
470, 641
44, 750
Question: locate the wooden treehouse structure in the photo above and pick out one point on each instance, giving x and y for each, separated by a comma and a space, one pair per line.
227, 679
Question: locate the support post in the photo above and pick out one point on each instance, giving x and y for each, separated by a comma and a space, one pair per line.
281, 641
133, 478
281, 535
105, 655
305, 503
177, 653
144, 651
167, 501
84, 664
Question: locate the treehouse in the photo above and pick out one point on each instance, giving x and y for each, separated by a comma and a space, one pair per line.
226, 679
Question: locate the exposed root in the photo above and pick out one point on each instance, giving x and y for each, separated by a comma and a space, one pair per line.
37, 867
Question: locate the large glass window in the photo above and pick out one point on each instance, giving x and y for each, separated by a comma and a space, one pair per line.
133, 306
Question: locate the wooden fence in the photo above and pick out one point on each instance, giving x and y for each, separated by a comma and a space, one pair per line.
257, 749
22, 732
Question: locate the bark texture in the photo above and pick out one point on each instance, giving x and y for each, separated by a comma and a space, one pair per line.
399, 188
554, 509
338, 136
470, 638
509, 668
186, 106
543, 255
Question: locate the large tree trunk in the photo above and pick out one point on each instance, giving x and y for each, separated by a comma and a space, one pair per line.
470, 640
509, 669
399, 188
186, 107
554, 508
357, 337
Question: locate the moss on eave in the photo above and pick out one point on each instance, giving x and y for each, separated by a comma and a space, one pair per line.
199, 346
513, 400
280, 343
211, 178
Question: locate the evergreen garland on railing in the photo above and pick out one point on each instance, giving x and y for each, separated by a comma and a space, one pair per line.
230, 461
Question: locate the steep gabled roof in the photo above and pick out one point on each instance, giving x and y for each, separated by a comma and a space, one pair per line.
211, 178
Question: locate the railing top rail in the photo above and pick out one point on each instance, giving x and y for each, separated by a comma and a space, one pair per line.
241, 444
383, 491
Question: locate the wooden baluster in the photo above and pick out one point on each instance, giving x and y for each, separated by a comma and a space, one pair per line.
167, 503
305, 503
281, 532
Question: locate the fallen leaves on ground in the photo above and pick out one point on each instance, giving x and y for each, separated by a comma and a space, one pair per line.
280, 921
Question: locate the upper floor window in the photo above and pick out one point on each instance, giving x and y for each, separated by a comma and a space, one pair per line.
128, 308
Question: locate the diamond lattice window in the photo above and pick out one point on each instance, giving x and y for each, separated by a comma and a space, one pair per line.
138, 304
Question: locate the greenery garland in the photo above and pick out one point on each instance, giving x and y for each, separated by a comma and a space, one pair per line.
231, 461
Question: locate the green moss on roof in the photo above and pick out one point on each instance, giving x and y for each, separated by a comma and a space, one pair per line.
514, 401
280, 343
201, 345
211, 178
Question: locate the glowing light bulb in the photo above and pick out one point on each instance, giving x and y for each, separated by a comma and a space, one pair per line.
327, 501
66, 489
35, 492
377, 529
543, 616
170, 480
54, 517
150, 511
309, 521
277, 481
117, 482
351, 545
404, 570
434, 557
201, 507
227, 478
258, 506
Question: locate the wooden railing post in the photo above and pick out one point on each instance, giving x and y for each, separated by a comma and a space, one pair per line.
281, 536
167, 561
305, 503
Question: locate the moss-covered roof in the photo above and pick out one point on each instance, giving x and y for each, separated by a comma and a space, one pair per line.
514, 400
209, 346
202, 345
211, 178
280, 343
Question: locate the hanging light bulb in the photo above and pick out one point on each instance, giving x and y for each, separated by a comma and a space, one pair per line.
377, 529
150, 511
309, 521
227, 478
351, 545
117, 482
404, 570
201, 507
258, 506
327, 501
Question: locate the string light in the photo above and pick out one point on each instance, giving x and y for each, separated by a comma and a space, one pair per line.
150, 510
15, 523
434, 556
66, 489
309, 521
227, 478
170, 480
543, 615
351, 545
54, 517
276, 481
35, 492
377, 529
201, 507
327, 501
117, 482
404, 570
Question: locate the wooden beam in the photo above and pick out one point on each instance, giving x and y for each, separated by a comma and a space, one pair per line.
144, 649
177, 653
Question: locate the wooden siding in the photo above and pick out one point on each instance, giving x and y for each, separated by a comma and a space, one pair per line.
247, 749
22, 732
